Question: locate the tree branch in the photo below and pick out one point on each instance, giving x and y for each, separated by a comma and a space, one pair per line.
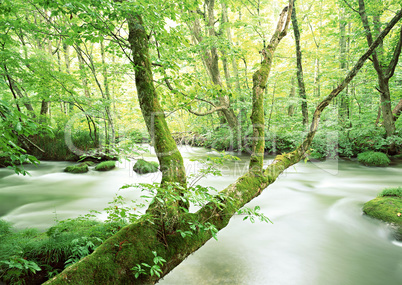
394, 61
353, 9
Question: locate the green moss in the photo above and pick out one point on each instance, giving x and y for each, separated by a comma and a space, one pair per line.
387, 209
80, 168
398, 156
371, 158
143, 167
106, 165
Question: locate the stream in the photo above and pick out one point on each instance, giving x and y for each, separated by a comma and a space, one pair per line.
318, 236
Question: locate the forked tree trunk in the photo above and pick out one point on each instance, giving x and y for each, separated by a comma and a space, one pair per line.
384, 73
111, 262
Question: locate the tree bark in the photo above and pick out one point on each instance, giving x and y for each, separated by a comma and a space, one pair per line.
111, 262
300, 79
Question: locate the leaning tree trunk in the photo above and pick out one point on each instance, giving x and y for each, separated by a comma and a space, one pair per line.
111, 262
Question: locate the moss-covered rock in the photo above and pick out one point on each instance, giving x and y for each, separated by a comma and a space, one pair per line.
80, 168
143, 167
388, 208
106, 165
372, 158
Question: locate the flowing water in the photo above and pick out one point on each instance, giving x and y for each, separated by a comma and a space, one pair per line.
318, 236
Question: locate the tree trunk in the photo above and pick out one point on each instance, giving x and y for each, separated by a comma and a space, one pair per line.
343, 99
109, 116
82, 72
66, 51
210, 60
300, 79
111, 262
170, 159
383, 74
260, 78
291, 108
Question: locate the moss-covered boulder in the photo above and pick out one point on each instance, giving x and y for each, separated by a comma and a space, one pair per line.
106, 165
388, 208
79, 168
143, 167
372, 158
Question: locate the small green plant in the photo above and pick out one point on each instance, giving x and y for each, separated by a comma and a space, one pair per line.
153, 270
392, 192
371, 158
80, 248
106, 165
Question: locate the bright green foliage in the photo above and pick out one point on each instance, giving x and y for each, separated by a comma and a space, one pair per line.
371, 158
80, 168
392, 192
143, 167
106, 165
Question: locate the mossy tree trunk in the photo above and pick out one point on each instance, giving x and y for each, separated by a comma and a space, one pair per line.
170, 159
260, 78
111, 262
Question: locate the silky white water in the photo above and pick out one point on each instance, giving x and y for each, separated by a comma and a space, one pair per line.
318, 236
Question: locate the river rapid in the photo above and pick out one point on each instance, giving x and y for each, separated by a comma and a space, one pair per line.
318, 236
